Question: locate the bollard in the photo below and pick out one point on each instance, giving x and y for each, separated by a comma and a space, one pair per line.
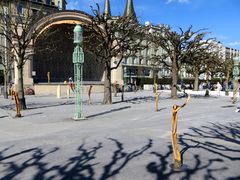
157, 99
177, 156
68, 92
89, 94
122, 96
17, 102
59, 91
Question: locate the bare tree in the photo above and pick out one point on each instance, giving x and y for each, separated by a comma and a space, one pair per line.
205, 58
16, 26
226, 68
112, 39
177, 48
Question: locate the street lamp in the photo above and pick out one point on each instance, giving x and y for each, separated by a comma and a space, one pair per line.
235, 78
78, 60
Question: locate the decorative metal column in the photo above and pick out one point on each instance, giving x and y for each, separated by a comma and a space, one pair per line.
235, 78
78, 60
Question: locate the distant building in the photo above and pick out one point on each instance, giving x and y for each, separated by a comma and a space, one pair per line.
12, 7
132, 70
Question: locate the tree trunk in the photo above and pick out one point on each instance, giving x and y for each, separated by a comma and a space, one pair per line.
207, 90
174, 80
196, 81
107, 84
20, 88
226, 85
5, 85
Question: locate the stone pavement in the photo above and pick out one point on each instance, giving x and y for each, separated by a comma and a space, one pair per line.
124, 141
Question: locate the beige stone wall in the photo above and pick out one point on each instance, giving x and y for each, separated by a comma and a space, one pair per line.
51, 89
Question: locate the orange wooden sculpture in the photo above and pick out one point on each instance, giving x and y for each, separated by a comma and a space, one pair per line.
17, 102
176, 152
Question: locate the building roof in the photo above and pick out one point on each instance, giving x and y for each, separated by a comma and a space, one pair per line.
129, 9
107, 9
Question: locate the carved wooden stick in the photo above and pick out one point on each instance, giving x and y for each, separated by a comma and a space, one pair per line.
176, 152
17, 102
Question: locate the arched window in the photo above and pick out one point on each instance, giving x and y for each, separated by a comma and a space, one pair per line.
136, 60
129, 60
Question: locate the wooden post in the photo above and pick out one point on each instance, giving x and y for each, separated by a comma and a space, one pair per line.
17, 102
49, 76
59, 91
68, 92
157, 99
176, 152
11, 93
89, 94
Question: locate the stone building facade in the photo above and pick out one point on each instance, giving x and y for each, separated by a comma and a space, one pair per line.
59, 61
18, 8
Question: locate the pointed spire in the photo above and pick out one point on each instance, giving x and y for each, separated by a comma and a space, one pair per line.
107, 9
129, 10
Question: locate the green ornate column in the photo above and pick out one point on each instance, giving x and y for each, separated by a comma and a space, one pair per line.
78, 60
235, 78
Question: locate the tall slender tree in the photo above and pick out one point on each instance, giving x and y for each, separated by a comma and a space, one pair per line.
112, 39
227, 66
177, 47
204, 57
16, 27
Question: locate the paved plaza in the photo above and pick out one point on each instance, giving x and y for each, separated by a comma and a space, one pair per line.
123, 141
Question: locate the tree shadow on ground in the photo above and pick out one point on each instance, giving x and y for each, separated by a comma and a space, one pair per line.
44, 105
81, 166
4, 116
109, 111
31, 106
205, 151
196, 96
139, 100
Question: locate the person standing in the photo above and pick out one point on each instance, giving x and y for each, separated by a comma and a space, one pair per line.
219, 88
71, 84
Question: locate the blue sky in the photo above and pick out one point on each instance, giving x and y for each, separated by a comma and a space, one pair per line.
220, 17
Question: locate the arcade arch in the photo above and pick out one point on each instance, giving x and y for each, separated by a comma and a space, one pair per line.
54, 54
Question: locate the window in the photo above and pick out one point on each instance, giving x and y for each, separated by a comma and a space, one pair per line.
135, 60
146, 72
130, 60
143, 62
20, 9
48, 2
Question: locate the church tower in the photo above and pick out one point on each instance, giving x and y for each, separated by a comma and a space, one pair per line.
129, 10
107, 9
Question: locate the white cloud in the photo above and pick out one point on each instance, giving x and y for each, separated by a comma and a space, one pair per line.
222, 37
73, 4
235, 43
76, 4
169, 1
183, 1
179, 1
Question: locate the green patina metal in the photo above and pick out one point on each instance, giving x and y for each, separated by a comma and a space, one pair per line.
78, 60
235, 78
